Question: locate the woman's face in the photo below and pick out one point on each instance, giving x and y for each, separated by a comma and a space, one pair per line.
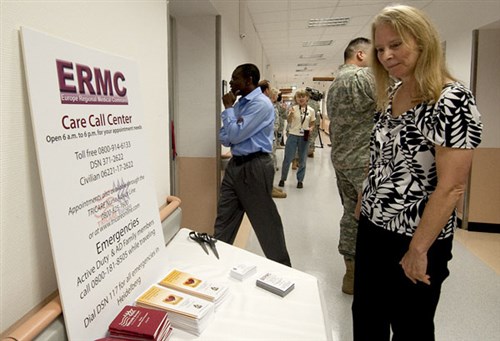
397, 58
302, 99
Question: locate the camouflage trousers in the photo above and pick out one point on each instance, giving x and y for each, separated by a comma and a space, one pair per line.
349, 182
281, 126
312, 138
275, 146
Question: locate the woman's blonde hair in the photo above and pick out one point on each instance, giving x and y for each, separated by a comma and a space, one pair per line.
430, 72
300, 92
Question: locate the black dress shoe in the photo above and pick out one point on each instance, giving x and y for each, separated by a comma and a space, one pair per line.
300, 184
282, 183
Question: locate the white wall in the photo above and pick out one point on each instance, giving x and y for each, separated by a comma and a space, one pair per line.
488, 86
236, 50
467, 16
197, 101
136, 30
196, 81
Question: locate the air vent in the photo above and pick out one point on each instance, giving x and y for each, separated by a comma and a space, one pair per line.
323, 22
317, 43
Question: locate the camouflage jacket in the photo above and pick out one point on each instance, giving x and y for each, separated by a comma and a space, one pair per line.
315, 105
351, 110
276, 115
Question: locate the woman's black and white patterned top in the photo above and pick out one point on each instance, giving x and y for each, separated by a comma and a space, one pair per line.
402, 172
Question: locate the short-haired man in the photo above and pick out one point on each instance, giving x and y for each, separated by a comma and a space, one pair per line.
351, 109
248, 129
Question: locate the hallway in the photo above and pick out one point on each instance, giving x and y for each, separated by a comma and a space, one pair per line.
470, 302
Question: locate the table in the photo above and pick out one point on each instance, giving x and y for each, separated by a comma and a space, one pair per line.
250, 313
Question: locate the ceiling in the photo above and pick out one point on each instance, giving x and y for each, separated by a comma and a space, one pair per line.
282, 26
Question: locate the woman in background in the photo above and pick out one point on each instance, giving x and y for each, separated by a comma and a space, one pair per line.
300, 120
420, 157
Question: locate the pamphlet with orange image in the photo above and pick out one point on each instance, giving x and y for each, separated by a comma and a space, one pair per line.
180, 278
188, 283
171, 300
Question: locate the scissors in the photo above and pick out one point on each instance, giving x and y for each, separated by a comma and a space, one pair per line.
202, 238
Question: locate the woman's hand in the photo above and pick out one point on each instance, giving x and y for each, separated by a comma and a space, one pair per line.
453, 166
414, 265
290, 115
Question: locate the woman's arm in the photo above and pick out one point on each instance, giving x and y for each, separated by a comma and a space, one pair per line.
290, 114
453, 167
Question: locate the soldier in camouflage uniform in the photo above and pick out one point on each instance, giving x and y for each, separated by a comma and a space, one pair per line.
282, 115
351, 109
315, 131
265, 87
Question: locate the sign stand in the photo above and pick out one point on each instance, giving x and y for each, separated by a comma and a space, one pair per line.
102, 215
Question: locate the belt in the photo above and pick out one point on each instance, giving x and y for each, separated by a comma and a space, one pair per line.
239, 159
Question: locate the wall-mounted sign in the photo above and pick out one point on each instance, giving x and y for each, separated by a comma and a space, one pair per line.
99, 197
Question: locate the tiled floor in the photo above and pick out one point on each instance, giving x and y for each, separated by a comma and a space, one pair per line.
469, 309
485, 246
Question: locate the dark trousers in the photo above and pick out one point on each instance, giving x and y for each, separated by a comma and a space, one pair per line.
384, 297
247, 187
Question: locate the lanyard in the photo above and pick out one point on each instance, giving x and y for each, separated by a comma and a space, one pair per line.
305, 112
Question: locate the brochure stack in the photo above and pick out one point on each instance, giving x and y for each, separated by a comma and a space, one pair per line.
186, 312
243, 271
193, 285
139, 323
275, 284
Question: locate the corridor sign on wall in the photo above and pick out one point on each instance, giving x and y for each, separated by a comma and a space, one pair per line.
100, 204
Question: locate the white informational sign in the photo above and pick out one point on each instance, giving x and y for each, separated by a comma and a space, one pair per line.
100, 204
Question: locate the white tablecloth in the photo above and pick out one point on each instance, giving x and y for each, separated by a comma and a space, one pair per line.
250, 313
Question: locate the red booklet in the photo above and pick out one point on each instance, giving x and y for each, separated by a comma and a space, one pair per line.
140, 323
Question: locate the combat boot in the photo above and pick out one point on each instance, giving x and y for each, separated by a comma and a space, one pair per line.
348, 280
278, 193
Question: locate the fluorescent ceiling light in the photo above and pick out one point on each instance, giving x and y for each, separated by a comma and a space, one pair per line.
317, 43
340, 21
311, 56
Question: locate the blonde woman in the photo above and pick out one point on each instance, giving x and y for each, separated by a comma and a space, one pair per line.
300, 120
420, 157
